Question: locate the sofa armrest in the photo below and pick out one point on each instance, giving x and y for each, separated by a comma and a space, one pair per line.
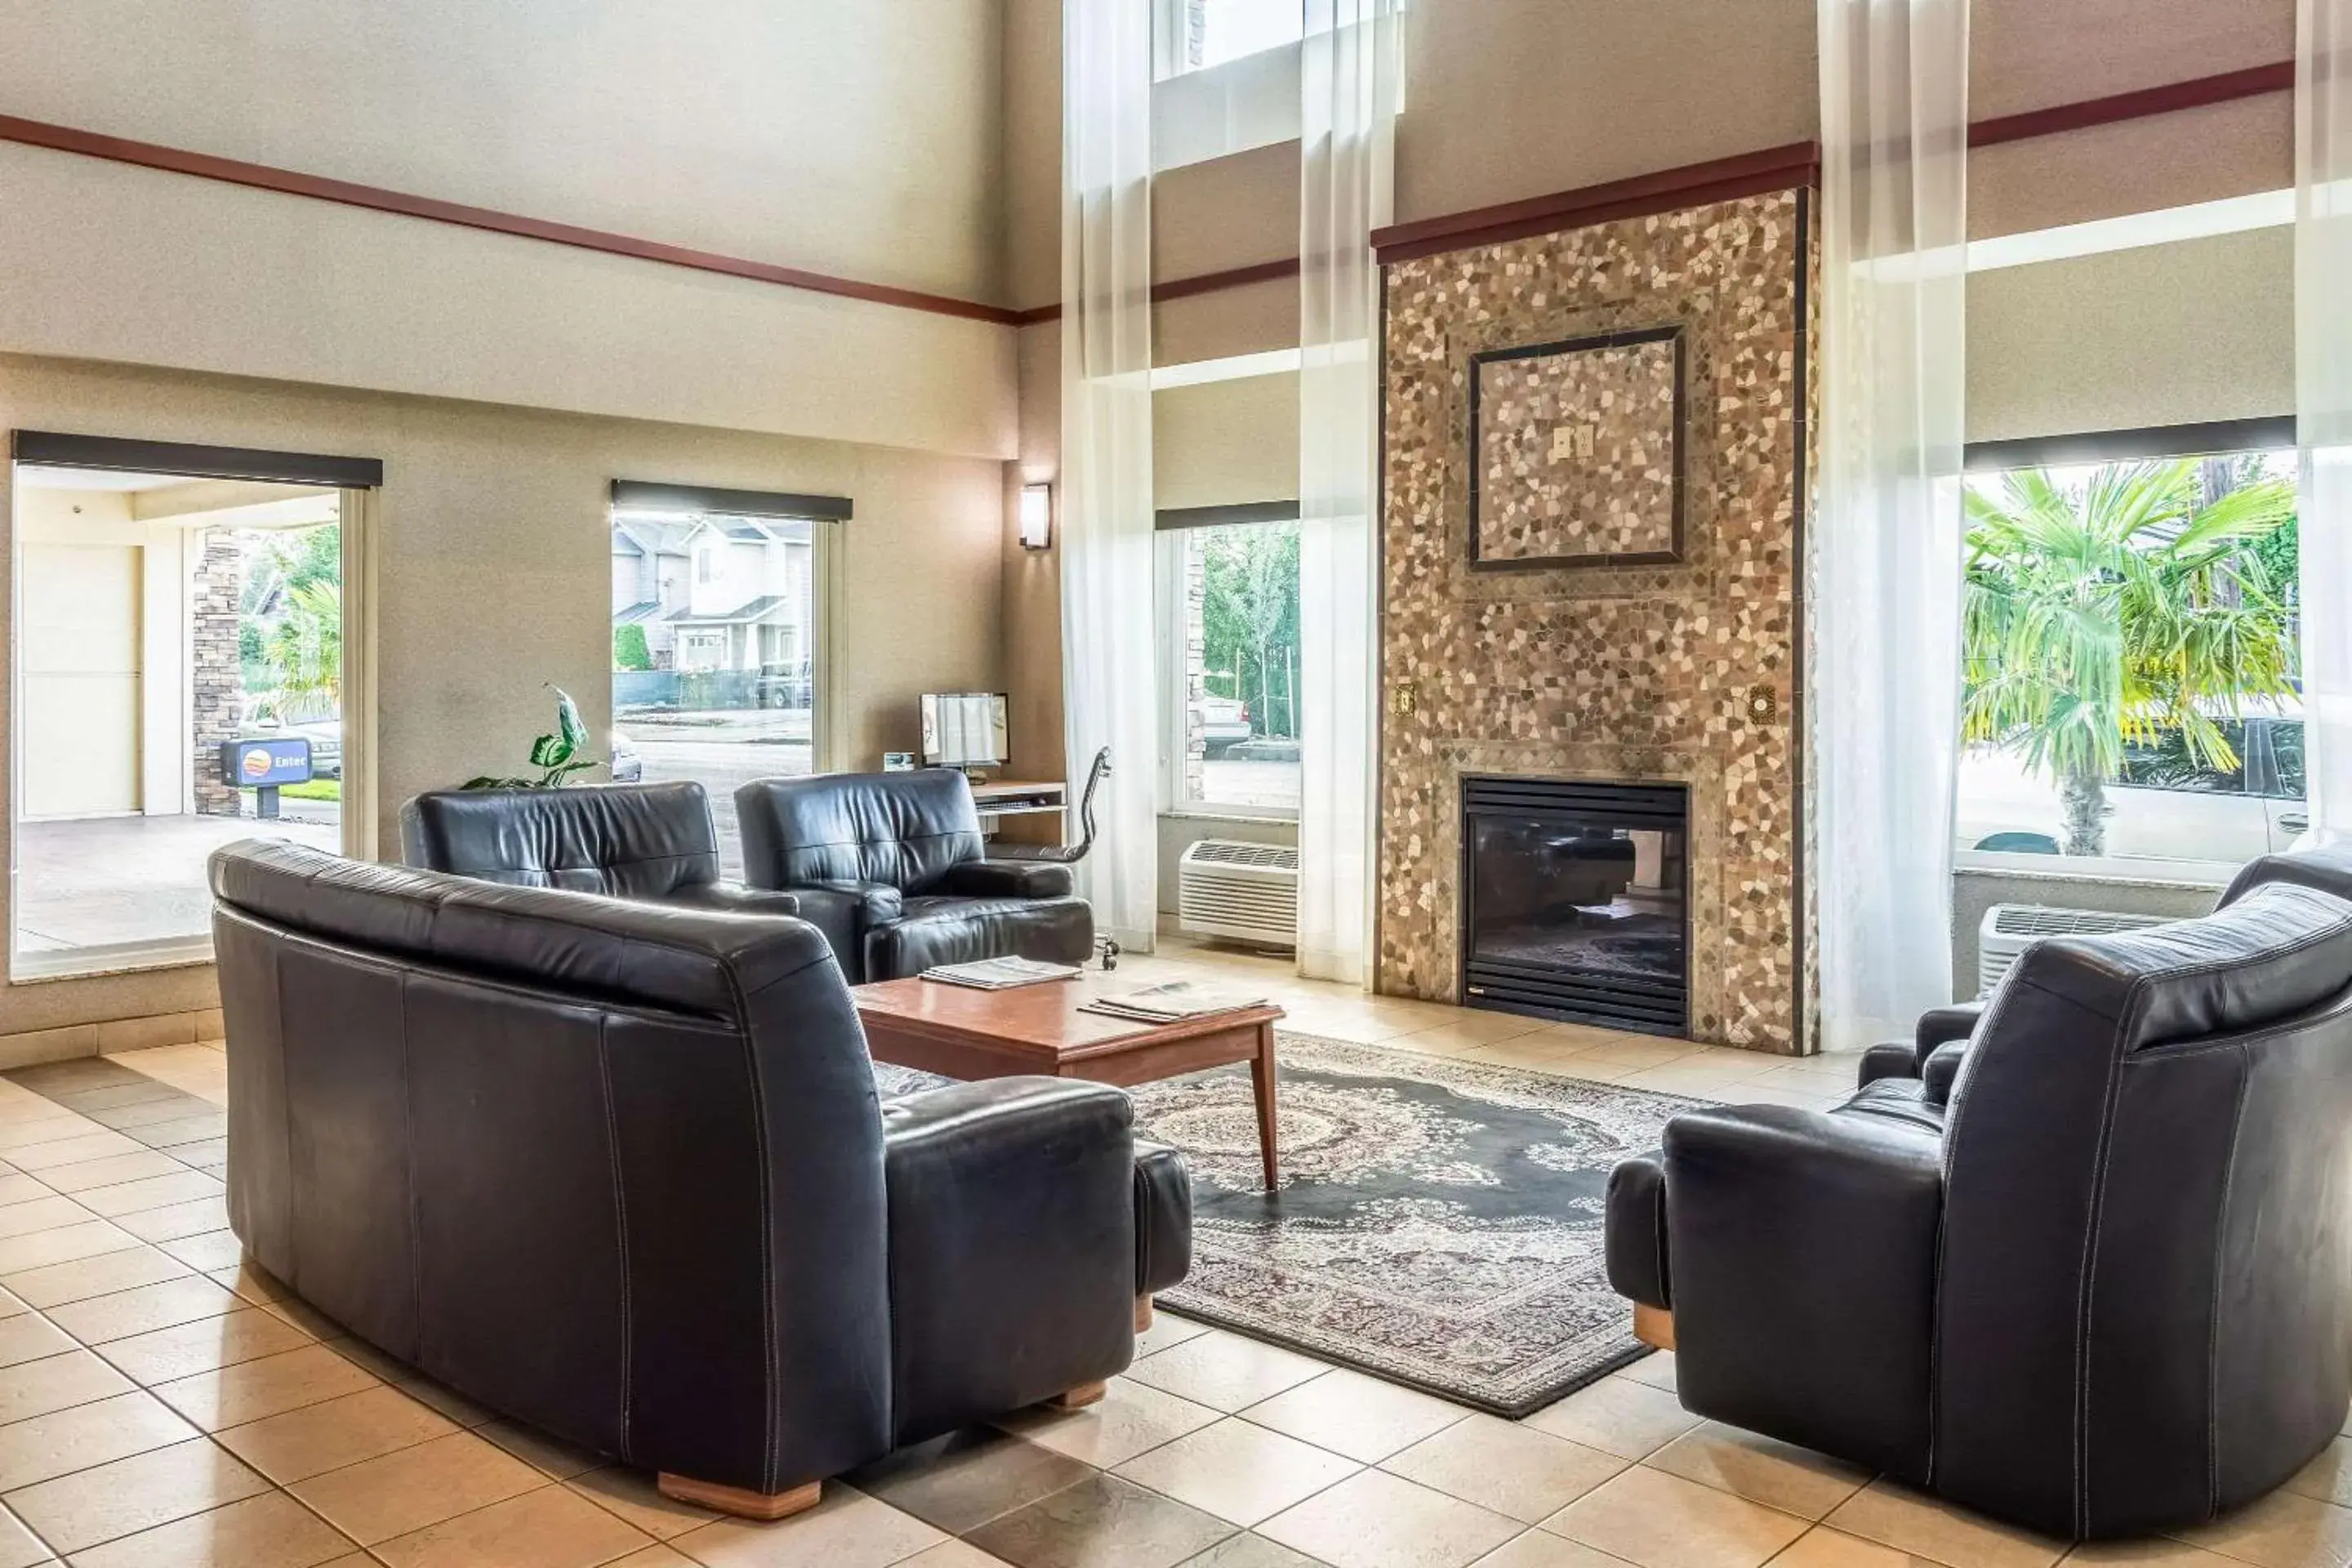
1888, 1059
1008, 880
846, 911
1011, 1245
1941, 1025
1635, 1232
1163, 1218
1804, 1275
1941, 1068
734, 899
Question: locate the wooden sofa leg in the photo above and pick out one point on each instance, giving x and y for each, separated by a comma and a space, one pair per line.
1078, 1399
1142, 1313
1654, 1326
741, 1501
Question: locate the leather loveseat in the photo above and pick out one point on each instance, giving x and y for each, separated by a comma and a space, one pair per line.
893, 868
652, 842
618, 1170
2099, 1283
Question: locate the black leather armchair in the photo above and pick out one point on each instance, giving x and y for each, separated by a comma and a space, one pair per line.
893, 869
1946, 1030
617, 1170
650, 842
2098, 1282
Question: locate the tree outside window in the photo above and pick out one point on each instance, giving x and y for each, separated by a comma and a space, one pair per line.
2129, 660
1242, 665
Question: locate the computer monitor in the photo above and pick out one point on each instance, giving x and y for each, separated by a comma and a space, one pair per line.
964, 730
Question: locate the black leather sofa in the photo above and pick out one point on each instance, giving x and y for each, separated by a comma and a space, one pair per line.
2097, 1282
893, 868
651, 842
1942, 1034
618, 1170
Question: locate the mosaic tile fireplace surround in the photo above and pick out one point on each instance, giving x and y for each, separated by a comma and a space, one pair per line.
1634, 614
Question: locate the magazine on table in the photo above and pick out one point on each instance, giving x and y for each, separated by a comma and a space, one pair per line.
1000, 973
1176, 999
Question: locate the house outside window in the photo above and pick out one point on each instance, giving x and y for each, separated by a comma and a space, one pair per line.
714, 677
1230, 636
2131, 688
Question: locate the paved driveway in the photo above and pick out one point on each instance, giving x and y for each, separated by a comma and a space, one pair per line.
112, 880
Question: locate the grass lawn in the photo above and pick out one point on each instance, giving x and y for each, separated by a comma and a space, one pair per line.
316, 789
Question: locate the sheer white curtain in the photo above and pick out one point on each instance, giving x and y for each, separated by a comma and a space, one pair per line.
1886, 648
1107, 683
1348, 110
2323, 380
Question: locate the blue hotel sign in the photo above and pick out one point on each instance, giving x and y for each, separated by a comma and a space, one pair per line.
266, 763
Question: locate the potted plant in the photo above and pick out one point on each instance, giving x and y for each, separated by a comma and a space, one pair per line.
557, 756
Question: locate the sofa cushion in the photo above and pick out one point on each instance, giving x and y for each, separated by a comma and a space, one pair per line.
631, 841
905, 829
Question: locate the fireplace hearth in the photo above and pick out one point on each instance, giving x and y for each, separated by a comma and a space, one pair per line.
1575, 901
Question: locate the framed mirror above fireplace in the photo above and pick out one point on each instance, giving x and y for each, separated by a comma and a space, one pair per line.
1575, 900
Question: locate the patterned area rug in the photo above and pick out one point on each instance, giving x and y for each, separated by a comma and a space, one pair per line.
1438, 1224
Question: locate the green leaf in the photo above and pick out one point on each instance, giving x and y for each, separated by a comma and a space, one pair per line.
568, 722
548, 751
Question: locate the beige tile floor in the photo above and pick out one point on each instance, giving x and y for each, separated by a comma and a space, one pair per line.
161, 1405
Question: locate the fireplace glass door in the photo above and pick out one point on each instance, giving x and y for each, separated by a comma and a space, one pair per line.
1574, 902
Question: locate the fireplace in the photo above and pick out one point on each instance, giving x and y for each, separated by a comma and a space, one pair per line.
1574, 902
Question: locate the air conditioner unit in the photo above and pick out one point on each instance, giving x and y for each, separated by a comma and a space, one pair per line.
1246, 891
2010, 928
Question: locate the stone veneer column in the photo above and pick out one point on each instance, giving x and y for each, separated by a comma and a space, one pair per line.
217, 672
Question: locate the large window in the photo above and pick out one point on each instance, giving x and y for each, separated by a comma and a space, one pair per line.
176, 634
2131, 695
1195, 34
1230, 631
714, 652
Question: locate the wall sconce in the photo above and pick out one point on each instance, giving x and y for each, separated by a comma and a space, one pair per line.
1036, 516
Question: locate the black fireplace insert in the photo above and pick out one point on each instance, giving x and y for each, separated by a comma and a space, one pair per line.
1575, 901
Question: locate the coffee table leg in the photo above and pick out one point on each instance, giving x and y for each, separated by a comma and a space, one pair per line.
1262, 1082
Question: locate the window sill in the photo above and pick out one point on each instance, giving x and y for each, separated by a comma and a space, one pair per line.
2188, 875
1258, 813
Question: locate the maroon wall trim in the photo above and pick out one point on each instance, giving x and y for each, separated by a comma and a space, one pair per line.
1721, 179
1718, 180
204, 165
2169, 99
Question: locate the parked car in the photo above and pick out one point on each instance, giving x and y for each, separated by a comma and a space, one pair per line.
785, 686
326, 738
2163, 808
627, 767
1223, 722
259, 716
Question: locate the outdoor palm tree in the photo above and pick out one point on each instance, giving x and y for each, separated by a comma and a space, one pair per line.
2128, 610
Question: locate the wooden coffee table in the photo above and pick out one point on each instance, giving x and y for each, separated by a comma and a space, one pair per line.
956, 1031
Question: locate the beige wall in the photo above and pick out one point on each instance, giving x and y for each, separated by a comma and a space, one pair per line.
2171, 334
1032, 153
494, 566
1033, 579
856, 139
2032, 54
1226, 442
110, 262
1228, 211
1506, 99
